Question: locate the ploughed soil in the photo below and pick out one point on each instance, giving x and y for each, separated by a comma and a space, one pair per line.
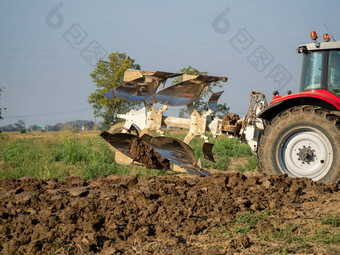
221, 214
141, 151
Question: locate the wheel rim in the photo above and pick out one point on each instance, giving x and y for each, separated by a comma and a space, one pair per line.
305, 152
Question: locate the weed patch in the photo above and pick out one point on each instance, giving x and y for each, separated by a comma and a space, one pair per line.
333, 221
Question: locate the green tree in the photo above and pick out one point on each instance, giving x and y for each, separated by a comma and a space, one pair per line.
107, 76
202, 103
19, 125
33, 128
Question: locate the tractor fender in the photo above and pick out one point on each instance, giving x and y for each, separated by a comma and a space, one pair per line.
280, 104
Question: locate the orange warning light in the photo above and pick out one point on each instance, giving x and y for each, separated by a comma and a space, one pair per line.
313, 35
326, 38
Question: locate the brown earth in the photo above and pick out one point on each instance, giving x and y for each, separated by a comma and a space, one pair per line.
167, 215
141, 151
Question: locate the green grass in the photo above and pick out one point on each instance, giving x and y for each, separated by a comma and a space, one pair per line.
334, 221
326, 237
243, 224
62, 154
330, 233
224, 149
290, 238
291, 235
251, 165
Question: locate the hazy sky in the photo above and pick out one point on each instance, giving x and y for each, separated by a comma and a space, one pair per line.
49, 48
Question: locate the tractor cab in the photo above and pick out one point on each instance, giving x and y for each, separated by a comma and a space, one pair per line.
321, 65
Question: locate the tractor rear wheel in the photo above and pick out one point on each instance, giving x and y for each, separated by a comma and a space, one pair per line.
303, 141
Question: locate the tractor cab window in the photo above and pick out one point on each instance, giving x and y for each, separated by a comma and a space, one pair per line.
311, 71
334, 72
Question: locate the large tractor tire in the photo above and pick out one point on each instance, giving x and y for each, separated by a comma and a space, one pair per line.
119, 128
303, 141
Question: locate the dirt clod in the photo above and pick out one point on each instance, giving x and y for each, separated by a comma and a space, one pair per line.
142, 151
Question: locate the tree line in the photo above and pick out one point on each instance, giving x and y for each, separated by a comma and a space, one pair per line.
79, 125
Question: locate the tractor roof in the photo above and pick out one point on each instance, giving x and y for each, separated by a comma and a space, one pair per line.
318, 46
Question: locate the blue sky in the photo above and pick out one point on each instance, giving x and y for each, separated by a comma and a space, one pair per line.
45, 72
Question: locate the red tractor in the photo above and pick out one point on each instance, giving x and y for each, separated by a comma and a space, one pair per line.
302, 137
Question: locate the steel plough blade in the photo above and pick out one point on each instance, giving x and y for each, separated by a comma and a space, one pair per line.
166, 75
179, 153
120, 141
180, 94
137, 89
137, 149
142, 88
212, 103
134, 94
109, 95
207, 152
187, 91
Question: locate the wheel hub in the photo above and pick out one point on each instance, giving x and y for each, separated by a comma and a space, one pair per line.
306, 155
305, 152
